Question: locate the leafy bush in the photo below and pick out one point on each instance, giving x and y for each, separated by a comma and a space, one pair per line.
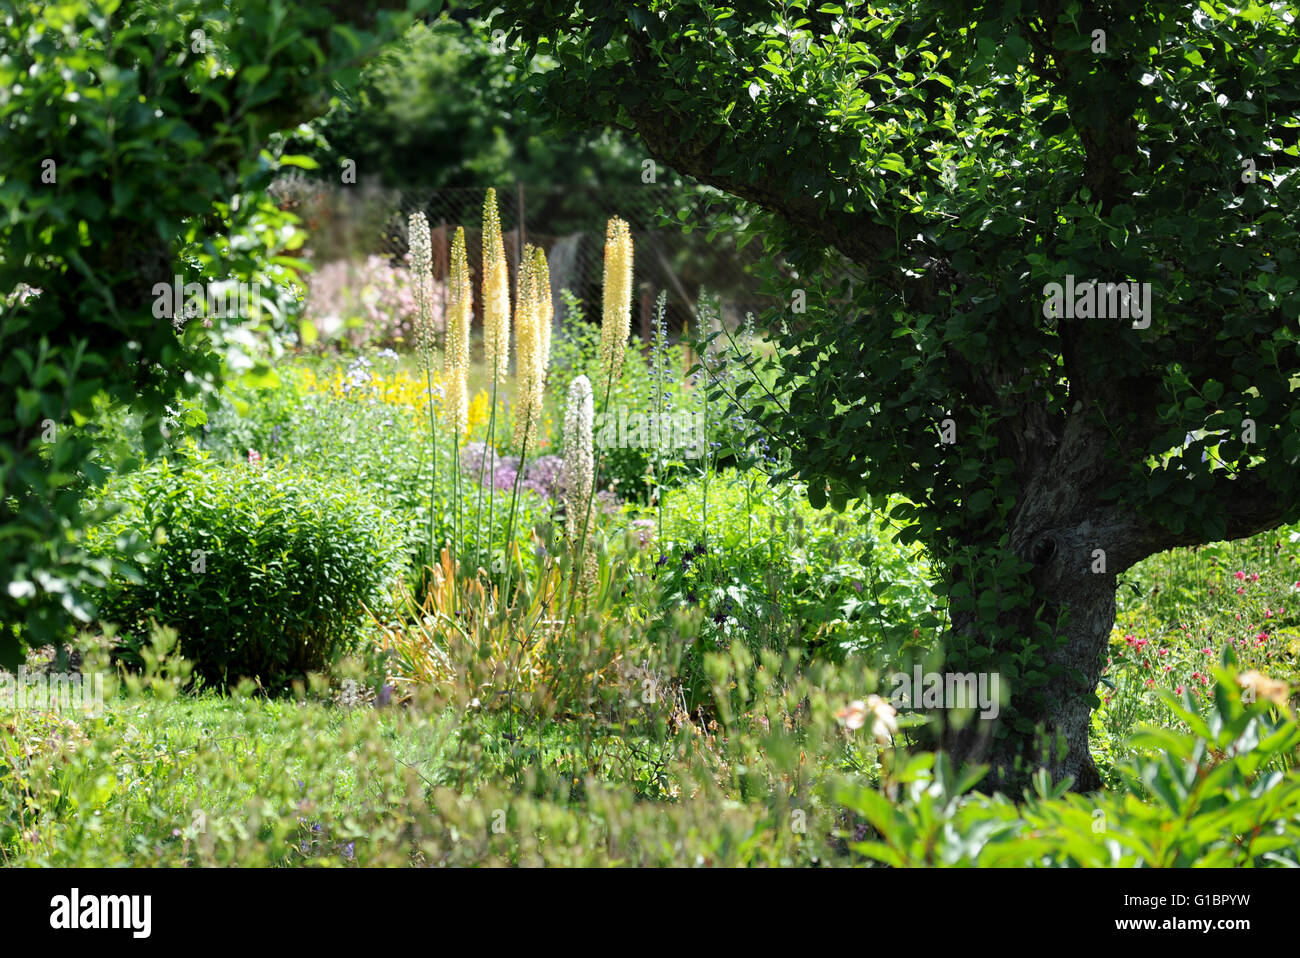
1222, 791
767, 569
263, 571
182, 141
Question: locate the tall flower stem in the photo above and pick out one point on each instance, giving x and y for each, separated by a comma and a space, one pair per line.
586, 517
421, 247
615, 325
514, 501
433, 486
456, 518
659, 355
496, 343
460, 296
488, 450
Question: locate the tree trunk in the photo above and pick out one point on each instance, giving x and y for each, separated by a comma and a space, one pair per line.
1074, 548
1059, 712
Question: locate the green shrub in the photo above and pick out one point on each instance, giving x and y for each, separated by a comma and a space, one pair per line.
184, 144
769, 570
262, 570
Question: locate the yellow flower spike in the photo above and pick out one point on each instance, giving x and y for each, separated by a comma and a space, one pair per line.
532, 344
616, 315
545, 309
496, 292
460, 309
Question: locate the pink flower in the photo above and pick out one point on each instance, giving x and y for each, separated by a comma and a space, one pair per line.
1261, 638
254, 457
1150, 682
1207, 650
1163, 652
1239, 576
1240, 590
1254, 577
1179, 690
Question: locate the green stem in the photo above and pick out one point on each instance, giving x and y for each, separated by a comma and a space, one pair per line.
433, 438
458, 520
660, 355
488, 450
514, 500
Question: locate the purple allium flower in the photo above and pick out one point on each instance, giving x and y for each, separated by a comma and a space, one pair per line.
645, 529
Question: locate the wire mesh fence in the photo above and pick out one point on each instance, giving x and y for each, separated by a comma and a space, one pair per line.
353, 222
